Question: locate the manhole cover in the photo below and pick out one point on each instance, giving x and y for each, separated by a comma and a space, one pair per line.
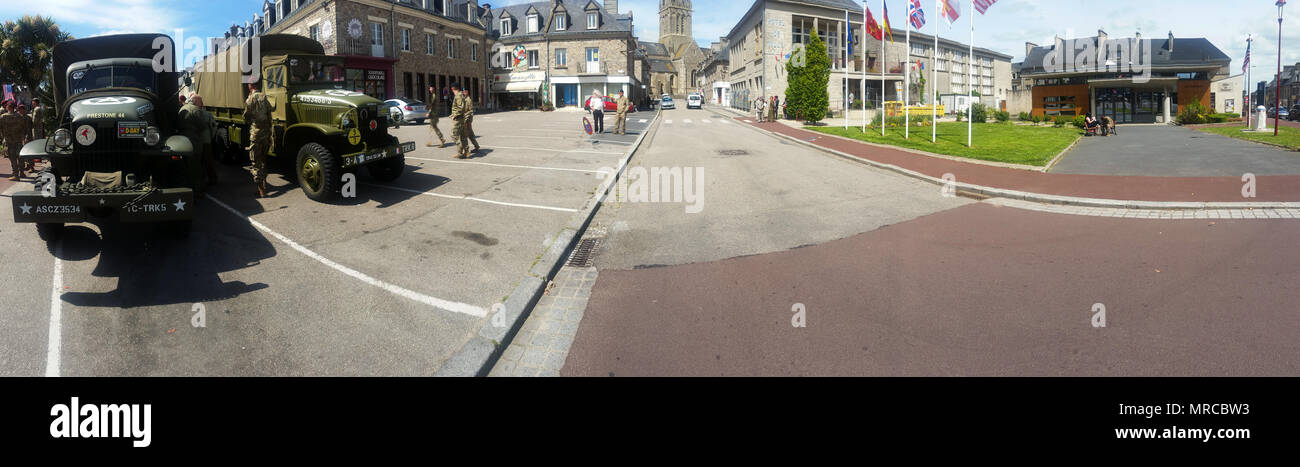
585, 252
733, 152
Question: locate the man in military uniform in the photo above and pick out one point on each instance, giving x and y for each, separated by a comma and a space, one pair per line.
39, 115
435, 112
458, 114
469, 119
620, 114
196, 124
15, 130
257, 113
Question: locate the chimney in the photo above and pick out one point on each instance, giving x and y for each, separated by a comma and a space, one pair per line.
1171, 42
611, 6
1029, 47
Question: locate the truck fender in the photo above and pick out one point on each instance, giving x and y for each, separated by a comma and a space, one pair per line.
180, 145
297, 135
33, 150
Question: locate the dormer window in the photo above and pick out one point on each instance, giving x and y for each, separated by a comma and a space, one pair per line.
593, 20
561, 22
533, 21
506, 30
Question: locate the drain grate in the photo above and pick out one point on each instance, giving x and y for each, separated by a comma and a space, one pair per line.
585, 252
733, 152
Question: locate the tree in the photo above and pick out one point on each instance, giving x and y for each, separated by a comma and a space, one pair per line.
26, 52
808, 92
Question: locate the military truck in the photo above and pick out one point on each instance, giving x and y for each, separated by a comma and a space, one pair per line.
117, 152
325, 129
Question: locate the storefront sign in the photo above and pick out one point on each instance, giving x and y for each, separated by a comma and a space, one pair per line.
375, 75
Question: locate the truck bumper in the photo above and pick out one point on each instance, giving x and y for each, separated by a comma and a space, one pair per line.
377, 154
168, 204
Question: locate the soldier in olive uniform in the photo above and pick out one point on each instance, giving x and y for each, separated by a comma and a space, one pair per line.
469, 120
435, 112
15, 130
39, 115
257, 113
196, 124
458, 123
620, 114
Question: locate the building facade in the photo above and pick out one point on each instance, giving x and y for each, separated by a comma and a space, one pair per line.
769, 34
1227, 94
560, 51
394, 48
1131, 80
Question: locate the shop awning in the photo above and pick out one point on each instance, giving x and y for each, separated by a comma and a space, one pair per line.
517, 86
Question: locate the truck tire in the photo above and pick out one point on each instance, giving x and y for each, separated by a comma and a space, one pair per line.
49, 231
318, 172
388, 170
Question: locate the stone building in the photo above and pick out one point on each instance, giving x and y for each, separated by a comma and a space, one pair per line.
560, 51
714, 75
676, 46
394, 48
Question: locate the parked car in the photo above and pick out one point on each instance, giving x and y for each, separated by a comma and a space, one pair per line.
1283, 114
395, 114
1294, 113
694, 101
611, 105
666, 103
412, 110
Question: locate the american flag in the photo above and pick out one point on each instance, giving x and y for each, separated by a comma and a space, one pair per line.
983, 5
1246, 63
916, 15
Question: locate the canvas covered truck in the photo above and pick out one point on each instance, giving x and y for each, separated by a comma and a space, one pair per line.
323, 128
116, 153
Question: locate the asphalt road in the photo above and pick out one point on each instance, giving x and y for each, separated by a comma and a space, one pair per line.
391, 282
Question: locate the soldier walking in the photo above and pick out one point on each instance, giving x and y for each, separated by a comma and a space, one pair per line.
620, 114
257, 113
14, 129
434, 115
469, 120
196, 124
458, 123
39, 115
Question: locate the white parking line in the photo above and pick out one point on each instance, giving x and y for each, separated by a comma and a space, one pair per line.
504, 165
53, 351
641, 121
470, 198
558, 150
686, 121
435, 302
668, 122
705, 121
724, 122
529, 137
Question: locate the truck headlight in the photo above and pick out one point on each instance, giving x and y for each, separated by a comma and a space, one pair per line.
62, 138
151, 136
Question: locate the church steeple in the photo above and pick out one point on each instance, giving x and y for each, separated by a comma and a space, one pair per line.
675, 22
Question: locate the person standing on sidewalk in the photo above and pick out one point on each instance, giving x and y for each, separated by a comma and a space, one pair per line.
772, 110
597, 106
620, 114
760, 107
14, 129
434, 114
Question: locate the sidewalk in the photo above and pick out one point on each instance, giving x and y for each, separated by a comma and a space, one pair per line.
1100, 190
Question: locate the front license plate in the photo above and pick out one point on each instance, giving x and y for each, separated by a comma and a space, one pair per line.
130, 129
406, 148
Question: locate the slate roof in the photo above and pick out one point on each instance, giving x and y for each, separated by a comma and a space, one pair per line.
662, 66
654, 49
1189, 52
610, 24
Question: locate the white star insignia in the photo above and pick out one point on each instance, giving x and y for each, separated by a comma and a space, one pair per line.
26, 209
180, 205
101, 201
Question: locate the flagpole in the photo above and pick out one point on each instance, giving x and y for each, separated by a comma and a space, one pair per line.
862, 88
844, 94
883, 64
1247, 111
907, 79
934, 78
970, 109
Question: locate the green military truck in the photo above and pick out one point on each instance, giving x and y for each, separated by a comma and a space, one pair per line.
117, 152
326, 130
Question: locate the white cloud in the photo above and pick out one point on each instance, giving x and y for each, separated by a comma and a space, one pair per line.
99, 17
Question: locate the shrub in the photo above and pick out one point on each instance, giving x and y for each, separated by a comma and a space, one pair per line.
1192, 114
979, 113
1080, 121
1002, 116
1025, 117
917, 120
1036, 119
1060, 121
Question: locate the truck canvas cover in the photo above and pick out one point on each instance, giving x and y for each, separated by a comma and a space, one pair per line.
220, 80
118, 46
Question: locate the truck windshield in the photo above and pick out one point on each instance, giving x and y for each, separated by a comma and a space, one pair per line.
316, 70
80, 81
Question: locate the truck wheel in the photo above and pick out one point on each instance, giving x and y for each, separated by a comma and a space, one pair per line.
49, 231
318, 172
388, 170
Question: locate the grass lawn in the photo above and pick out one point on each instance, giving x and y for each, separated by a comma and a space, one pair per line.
999, 142
1286, 136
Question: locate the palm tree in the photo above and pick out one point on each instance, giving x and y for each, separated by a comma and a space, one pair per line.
26, 52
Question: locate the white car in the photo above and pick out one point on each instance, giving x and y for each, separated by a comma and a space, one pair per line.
412, 110
694, 101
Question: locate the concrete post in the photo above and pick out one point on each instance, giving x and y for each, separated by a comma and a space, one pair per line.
1167, 118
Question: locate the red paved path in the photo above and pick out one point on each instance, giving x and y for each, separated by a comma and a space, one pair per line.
1198, 189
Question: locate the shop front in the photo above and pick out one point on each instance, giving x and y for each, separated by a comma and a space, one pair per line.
372, 76
518, 90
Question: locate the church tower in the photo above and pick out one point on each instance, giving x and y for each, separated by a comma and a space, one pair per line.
675, 23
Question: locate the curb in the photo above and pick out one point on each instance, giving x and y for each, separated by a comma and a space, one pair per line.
480, 353
1048, 199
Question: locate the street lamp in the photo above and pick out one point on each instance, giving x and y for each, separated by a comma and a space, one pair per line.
1277, 112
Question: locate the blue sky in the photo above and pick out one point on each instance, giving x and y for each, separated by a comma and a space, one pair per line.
1005, 28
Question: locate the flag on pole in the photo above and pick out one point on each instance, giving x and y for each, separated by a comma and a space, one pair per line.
1246, 63
888, 30
916, 15
873, 28
983, 5
951, 10
850, 42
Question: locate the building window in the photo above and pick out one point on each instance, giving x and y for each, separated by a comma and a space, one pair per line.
593, 20
561, 22
532, 23
453, 48
533, 62
799, 30
406, 40
428, 44
473, 51
593, 54
314, 32
376, 34
505, 27
561, 58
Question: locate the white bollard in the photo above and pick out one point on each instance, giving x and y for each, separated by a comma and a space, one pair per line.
1261, 118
